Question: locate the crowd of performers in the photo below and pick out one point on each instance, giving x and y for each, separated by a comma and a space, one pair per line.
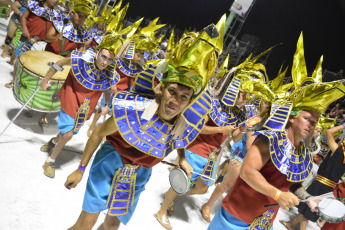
185, 100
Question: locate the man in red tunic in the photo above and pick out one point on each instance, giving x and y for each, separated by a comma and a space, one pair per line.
92, 72
278, 159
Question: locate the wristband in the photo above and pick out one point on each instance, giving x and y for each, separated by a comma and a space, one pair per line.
82, 167
276, 197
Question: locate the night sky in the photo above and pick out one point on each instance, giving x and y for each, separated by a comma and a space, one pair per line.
322, 23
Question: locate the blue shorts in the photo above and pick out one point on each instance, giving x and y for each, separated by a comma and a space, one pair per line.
224, 220
65, 122
198, 164
102, 171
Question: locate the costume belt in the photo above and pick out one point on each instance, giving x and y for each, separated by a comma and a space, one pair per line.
27, 45
208, 169
326, 181
122, 190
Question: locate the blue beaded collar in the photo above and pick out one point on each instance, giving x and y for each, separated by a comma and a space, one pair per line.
86, 73
294, 162
152, 137
45, 12
97, 35
73, 34
127, 67
251, 111
224, 115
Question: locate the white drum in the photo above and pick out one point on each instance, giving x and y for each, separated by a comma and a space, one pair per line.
179, 181
331, 210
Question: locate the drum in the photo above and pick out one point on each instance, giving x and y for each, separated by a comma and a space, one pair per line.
3, 10
179, 181
16, 39
32, 66
331, 210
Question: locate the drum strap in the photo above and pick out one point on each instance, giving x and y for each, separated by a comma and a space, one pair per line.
62, 46
122, 190
27, 45
208, 169
325, 181
263, 222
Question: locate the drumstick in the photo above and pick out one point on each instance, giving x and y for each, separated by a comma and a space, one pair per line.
320, 197
172, 164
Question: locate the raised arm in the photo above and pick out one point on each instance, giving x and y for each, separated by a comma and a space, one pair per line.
330, 137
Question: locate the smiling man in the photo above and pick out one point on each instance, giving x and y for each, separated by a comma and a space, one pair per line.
146, 126
92, 73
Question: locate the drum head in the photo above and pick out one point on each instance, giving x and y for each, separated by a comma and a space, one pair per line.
179, 181
37, 62
331, 209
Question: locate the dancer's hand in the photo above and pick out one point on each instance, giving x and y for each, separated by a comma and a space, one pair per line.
104, 110
313, 204
73, 179
59, 36
26, 33
186, 167
287, 200
45, 85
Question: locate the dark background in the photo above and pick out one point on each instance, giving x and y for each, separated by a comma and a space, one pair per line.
273, 21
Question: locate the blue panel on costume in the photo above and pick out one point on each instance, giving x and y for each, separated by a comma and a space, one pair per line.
231, 93
44, 12
127, 67
251, 111
88, 75
294, 162
69, 32
223, 115
97, 35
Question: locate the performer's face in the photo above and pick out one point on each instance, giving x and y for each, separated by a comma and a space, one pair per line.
174, 100
241, 99
138, 55
104, 58
305, 123
50, 3
78, 18
264, 105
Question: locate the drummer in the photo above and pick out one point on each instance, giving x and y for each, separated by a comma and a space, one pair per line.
181, 89
73, 37
202, 153
13, 25
270, 167
330, 172
79, 96
62, 38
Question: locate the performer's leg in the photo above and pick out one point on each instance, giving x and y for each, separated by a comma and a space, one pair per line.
110, 223
94, 122
85, 221
304, 223
61, 141
228, 182
161, 215
199, 188
43, 120
291, 224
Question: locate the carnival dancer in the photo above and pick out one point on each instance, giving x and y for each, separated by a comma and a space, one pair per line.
92, 72
244, 139
202, 153
14, 24
278, 159
330, 172
160, 125
128, 65
67, 35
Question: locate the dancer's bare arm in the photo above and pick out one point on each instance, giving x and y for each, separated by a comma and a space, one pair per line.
106, 128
